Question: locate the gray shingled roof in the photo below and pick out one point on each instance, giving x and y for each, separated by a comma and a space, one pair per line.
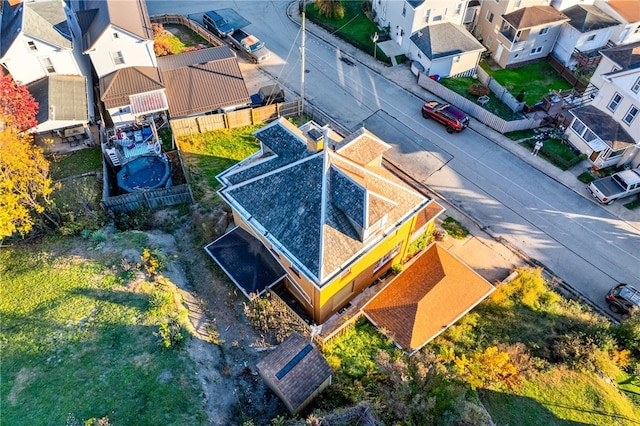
446, 39
116, 87
603, 125
45, 21
295, 370
288, 193
627, 56
586, 18
202, 81
128, 15
60, 97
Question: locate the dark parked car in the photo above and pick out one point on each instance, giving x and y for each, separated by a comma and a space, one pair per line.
450, 116
217, 24
268, 95
623, 298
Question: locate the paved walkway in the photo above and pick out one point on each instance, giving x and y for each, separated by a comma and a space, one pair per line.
493, 258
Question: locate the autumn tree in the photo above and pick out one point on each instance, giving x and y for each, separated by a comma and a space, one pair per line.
18, 109
25, 186
330, 8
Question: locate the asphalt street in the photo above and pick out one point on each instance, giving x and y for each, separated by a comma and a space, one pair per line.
519, 199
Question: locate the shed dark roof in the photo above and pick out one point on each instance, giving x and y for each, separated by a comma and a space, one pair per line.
426, 298
446, 39
246, 261
586, 18
203, 81
295, 370
627, 56
534, 16
116, 87
287, 193
60, 97
603, 125
128, 15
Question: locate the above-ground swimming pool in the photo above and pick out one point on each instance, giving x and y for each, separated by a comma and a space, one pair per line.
145, 173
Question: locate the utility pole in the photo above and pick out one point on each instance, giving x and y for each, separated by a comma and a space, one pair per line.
302, 47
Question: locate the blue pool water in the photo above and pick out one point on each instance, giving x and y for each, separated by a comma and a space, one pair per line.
145, 173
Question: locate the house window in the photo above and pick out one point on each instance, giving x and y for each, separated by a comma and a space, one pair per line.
589, 136
32, 46
386, 258
489, 16
404, 10
536, 50
48, 65
295, 271
615, 101
578, 127
631, 114
458, 8
617, 153
115, 36
518, 3
426, 15
544, 31
591, 37
636, 86
117, 57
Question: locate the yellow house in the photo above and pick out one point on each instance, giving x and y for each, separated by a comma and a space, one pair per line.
317, 215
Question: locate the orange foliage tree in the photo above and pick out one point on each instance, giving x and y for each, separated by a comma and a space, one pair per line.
25, 186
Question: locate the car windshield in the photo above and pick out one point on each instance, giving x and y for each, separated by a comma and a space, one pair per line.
631, 294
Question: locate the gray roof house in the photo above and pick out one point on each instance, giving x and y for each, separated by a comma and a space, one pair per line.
36, 42
327, 212
446, 50
62, 101
581, 38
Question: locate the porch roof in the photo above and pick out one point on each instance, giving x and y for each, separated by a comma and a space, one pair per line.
246, 261
604, 126
426, 298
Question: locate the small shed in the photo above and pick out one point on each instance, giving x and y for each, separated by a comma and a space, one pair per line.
296, 371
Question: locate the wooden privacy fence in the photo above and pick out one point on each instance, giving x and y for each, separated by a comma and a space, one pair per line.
566, 73
232, 119
192, 25
148, 199
501, 93
475, 110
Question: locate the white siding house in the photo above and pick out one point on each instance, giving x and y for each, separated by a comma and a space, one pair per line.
116, 34
628, 13
608, 129
580, 39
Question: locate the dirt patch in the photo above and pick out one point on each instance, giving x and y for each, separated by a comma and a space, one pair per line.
23, 378
224, 346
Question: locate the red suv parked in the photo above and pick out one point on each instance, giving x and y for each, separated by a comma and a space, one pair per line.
450, 116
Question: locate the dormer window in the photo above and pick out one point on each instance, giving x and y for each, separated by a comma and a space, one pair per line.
118, 58
32, 46
544, 31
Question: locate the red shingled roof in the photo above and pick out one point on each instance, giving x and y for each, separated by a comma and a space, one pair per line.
427, 297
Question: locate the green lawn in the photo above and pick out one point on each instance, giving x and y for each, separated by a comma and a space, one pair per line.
555, 152
208, 154
355, 27
535, 79
78, 342
496, 106
76, 163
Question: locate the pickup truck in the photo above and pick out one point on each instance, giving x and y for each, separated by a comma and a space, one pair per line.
268, 95
618, 185
249, 44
